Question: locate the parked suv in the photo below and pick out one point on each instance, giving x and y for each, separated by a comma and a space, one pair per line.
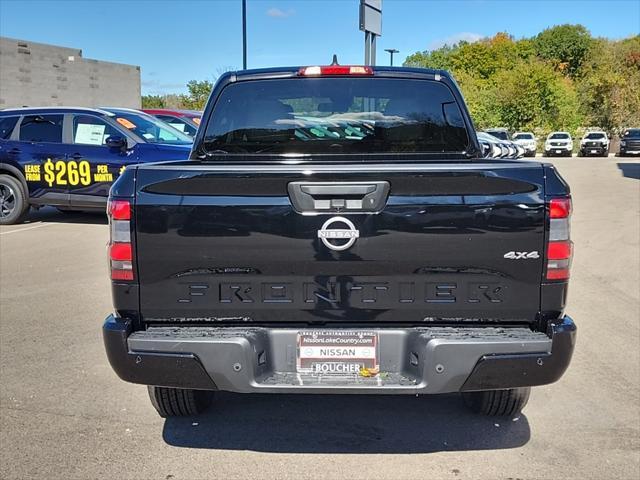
187, 121
594, 143
558, 143
69, 157
528, 141
630, 142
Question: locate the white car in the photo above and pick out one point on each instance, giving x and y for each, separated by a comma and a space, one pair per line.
526, 140
493, 147
594, 143
558, 143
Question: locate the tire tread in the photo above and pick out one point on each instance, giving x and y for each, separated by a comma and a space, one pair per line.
178, 402
23, 201
498, 403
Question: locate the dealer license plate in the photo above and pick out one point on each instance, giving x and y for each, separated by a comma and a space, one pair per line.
337, 352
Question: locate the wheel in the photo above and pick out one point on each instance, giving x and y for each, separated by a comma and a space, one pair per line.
178, 402
498, 403
13, 201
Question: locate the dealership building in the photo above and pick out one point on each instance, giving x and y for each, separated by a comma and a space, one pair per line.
36, 74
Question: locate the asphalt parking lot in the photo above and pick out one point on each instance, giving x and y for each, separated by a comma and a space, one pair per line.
65, 414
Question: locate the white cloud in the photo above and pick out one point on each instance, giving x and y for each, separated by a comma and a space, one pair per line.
277, 13
455, 38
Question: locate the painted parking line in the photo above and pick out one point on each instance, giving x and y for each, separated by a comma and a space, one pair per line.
25, 229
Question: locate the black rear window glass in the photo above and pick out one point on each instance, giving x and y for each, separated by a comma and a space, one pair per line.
41, 128
336, 116
7, 124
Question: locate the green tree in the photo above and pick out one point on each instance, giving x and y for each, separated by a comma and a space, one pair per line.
609, 89
199, 91
560, 79
439, 59
565, 46
153, 101
532, 96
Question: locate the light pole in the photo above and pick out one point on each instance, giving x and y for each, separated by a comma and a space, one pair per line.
391, 52
244, 34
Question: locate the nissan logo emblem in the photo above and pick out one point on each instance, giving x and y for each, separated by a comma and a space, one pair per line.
339, 238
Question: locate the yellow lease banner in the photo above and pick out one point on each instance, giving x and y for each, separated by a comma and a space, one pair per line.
72, 173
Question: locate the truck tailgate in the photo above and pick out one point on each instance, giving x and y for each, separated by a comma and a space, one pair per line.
224, 243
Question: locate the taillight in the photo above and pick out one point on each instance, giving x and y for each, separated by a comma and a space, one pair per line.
120, 249
335, 70
560, 247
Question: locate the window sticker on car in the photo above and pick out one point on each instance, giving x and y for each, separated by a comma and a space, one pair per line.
126, 123
89, 134
178, 126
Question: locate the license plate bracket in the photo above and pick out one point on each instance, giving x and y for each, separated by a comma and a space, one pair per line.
337, 352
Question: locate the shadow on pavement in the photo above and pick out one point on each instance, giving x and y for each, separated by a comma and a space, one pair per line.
53, 215
630, 170
344, 424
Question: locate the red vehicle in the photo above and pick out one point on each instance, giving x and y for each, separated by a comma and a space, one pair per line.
187, 121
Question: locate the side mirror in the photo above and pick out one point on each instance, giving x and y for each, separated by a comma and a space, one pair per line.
116, 141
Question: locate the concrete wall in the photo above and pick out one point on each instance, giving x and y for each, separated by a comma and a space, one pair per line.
35, 74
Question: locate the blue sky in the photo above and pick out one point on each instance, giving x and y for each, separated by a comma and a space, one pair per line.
175, 41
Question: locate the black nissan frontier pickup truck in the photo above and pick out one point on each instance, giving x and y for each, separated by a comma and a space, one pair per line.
338, 230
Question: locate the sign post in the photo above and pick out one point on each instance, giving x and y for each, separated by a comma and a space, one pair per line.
371, 25
244, 34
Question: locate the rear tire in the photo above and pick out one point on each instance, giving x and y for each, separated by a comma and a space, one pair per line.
14, 204
498, 403
178, 402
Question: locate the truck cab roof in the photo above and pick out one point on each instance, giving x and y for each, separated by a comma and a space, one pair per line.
294, 70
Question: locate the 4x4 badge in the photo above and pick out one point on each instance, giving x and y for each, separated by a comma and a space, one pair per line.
330, 235
521, 255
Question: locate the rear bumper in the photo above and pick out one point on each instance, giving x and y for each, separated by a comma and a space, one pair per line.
413, 360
